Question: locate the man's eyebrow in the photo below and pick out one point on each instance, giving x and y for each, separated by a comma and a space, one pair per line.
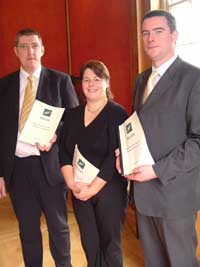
154, 29
158, 28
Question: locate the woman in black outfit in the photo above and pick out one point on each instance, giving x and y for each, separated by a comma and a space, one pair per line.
99, 206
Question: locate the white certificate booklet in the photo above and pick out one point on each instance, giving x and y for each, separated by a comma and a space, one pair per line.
41, 124
134, 151
83, 170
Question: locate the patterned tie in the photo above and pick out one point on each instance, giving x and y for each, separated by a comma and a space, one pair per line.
29, 99
150, 85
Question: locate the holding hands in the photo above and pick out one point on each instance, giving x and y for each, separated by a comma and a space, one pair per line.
86, 191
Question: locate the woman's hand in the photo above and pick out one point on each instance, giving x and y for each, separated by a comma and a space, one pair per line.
90, 190
67, 172
2, 188
117, 162
85, 193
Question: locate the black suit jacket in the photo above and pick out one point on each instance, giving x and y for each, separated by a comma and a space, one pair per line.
56, 89
171, 121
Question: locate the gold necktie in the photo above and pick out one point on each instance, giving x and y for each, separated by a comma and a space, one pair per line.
29, 98
150, 85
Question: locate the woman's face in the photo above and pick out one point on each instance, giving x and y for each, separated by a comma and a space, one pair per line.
94, 88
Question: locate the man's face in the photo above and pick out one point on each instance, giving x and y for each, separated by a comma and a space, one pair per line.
29, 50
159, 43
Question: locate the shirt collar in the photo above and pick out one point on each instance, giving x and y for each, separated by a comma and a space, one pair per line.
25, 74
161, 69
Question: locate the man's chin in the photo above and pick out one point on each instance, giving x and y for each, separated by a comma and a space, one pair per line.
31, 68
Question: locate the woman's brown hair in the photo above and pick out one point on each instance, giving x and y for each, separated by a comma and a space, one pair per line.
100, 69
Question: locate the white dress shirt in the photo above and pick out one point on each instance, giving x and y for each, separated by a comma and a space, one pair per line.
163, 68
24, 149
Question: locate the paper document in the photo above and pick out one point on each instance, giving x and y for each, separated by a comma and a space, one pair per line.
83, 170
134, 150
41, 124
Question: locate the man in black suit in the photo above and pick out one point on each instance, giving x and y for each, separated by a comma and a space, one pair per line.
166, 194
31, 173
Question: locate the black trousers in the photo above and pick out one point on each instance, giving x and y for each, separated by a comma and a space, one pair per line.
30, 195
100, 221
168, 242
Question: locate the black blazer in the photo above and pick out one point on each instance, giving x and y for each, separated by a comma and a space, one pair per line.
56, 89
171, 121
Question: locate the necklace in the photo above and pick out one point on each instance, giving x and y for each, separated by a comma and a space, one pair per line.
96, 110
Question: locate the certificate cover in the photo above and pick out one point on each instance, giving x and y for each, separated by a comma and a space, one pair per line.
83, 170
134, 151
41, 124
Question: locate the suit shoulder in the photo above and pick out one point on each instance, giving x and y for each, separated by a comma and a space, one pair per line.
187, 67
56, 73
185, 72
7, 82
9, 77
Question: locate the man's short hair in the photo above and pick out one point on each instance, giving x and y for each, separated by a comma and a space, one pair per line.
171, 21
26, 32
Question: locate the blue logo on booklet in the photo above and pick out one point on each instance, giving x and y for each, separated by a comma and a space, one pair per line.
128, 128
47, 112
81, 164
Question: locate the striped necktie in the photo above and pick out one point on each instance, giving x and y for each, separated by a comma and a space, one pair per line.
29, 98
150, 85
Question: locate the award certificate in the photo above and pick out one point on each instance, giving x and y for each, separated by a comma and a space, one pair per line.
134, 150
83, 170
41, 124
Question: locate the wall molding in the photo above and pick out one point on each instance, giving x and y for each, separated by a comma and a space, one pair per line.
68, 41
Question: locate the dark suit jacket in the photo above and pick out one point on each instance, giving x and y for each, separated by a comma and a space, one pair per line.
171, 121
56, 89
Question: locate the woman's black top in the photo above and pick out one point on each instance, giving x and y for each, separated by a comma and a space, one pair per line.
97, 141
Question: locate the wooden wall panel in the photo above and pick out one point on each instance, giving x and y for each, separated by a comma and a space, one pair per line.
46, 16
101, 30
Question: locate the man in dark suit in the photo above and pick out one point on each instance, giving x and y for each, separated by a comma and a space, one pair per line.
31, 173
166, 194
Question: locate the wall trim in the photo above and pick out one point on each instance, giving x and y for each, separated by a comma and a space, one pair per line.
68, 43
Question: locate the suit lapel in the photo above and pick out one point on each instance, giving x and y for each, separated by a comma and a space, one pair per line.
140, 87
43, 91
14, 94
49, 88
165, 83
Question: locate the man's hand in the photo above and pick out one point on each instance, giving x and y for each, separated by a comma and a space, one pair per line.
142, 174
117, 163
2, 188
47, 148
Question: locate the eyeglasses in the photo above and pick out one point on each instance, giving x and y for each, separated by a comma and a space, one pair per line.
26, 46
